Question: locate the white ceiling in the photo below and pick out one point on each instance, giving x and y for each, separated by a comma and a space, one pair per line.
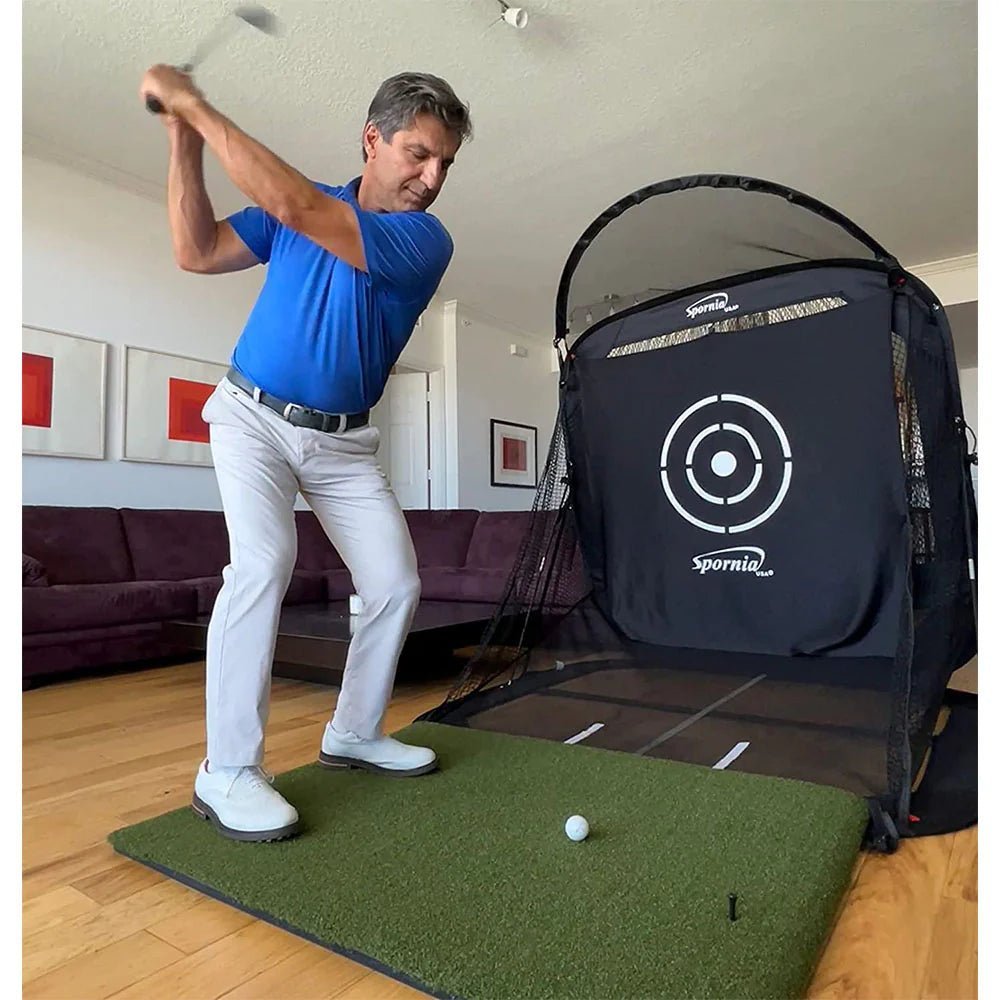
867, 105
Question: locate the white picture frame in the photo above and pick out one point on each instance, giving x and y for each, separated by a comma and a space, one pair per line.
162, 397
64, 388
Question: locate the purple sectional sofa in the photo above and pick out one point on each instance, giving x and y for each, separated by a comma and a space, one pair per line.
97, 582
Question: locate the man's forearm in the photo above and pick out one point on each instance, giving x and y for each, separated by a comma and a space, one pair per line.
263, 177
192, 219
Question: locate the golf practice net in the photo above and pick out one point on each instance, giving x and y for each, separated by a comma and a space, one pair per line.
753, 540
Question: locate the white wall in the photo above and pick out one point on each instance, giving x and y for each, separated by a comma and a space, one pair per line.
97, 262
425, 349
968, 381
484, 382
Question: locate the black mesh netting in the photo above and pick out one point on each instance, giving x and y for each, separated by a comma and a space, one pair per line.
547, 582
943, 523
678, 236
917, 489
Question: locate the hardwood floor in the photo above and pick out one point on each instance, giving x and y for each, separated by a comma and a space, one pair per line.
101, 753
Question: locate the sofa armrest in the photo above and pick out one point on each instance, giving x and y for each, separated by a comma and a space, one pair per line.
33, 573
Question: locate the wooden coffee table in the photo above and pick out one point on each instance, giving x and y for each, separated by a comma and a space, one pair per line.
313, 638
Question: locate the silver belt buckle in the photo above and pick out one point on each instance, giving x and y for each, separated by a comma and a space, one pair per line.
341, 423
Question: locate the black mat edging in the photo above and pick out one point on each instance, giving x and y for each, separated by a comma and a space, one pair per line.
948, 798
349, 953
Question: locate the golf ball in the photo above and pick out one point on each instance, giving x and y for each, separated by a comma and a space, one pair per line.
577, 828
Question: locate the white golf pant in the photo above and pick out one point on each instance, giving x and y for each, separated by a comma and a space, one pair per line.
262, 462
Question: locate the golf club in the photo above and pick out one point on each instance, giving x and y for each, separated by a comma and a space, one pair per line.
253, 14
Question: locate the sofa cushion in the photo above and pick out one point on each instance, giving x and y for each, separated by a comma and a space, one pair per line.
32, 572
455, 583
339, 585
176, 544
441, 537
573, 584
496, 539
206, 589
306, 588
316, 552
77, 544
48, 654
60, 607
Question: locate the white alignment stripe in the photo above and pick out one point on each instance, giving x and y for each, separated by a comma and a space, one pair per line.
681, 726
589, 731
730, 757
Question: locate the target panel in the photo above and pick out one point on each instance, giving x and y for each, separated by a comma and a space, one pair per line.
753, 500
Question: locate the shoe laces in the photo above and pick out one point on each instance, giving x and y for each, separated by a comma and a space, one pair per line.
253, 777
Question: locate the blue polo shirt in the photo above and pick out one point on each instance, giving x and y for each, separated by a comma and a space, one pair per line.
322, 333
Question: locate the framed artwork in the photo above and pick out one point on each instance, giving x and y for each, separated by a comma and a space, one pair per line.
513, 454
162, 399
63, 394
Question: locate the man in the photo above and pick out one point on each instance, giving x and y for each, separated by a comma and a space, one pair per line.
350, 269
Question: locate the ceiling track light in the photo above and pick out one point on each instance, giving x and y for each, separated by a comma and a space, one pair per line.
516, 17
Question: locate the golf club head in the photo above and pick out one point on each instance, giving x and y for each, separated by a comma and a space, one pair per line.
258, 17
253, 15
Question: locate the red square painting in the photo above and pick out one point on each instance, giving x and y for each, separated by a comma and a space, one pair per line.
185, 400
515, 455
36, 390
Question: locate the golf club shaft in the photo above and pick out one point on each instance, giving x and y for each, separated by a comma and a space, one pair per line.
211, 41
205, 46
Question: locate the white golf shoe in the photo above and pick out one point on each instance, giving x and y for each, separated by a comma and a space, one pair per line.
382, 754
241, 804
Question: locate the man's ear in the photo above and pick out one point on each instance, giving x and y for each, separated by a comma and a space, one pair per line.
371, 138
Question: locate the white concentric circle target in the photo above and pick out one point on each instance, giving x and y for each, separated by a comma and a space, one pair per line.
724, 463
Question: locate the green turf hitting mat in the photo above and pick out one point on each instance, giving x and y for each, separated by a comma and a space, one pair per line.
464, 883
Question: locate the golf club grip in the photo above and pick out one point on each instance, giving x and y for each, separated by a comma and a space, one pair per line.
153, 105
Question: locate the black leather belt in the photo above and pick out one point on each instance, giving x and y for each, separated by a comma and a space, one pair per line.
300, 416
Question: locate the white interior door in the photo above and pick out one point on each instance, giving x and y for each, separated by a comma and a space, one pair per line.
407, 463
379, 416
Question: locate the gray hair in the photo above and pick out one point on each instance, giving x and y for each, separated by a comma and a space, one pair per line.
401, 98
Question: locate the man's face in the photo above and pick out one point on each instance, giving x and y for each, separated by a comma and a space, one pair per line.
408, 173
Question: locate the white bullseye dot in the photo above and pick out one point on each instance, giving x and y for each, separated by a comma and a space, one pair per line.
723, 463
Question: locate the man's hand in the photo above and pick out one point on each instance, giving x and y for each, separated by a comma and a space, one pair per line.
172, 88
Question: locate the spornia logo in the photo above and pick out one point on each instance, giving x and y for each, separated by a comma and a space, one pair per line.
716, 302
742, 559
